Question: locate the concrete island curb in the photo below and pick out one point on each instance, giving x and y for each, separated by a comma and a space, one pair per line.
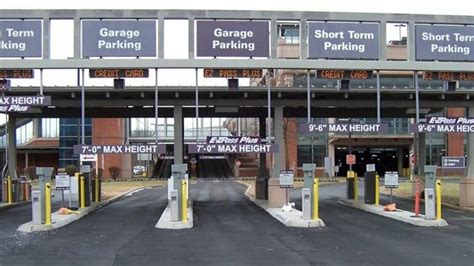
165, 220
292, 218
399, 215
447, 205
59, 221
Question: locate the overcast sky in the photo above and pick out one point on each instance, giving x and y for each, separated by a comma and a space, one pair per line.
451, 7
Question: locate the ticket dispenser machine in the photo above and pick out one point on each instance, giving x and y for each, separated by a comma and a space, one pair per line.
178, 172
36, 207
306, 203
430, 196
174, 206
44, 176
308, 170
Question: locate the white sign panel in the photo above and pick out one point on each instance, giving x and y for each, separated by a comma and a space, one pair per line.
62, 182
286, 179
88, 157
144, 157
391, 180
370, 167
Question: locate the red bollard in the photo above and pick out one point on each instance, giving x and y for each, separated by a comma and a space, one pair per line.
417, 198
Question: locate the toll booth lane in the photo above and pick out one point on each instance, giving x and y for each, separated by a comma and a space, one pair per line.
370, 200
287, 214
88, 201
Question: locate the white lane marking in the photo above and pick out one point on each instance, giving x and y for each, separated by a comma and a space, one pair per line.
133, 192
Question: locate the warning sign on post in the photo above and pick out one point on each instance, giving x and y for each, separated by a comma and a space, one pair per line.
350, 159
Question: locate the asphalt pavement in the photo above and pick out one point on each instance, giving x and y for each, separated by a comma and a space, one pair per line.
230, 230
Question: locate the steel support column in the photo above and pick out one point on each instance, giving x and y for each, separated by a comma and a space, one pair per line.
280, 139
466, 185
422, 152
470, 148
178, 134
12, 153
261, 183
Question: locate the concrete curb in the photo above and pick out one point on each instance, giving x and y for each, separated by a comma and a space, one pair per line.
447, 205
59, 221
165, 220
399, 215
6, 206
292, 218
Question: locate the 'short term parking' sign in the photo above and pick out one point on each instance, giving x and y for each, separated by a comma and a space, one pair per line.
343, 40
444, 42
21, 38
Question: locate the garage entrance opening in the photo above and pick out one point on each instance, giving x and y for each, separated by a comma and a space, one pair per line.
384, 158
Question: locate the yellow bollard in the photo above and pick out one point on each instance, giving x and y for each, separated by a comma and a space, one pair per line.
184, 201
9, 190
97, 184
377, 192
316, 199
438, 199
47, 202
82, 195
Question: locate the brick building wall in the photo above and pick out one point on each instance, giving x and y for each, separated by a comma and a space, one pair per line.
109, 131
455, 141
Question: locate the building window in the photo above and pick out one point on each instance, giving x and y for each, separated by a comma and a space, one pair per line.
290, 34
70, 135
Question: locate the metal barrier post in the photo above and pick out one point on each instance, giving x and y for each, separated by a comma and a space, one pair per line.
47, 203
438, 199
97, 184
9, 190
316, 199
356, 187
350, 184
417, 198
377, 190
184, 200
82, 195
